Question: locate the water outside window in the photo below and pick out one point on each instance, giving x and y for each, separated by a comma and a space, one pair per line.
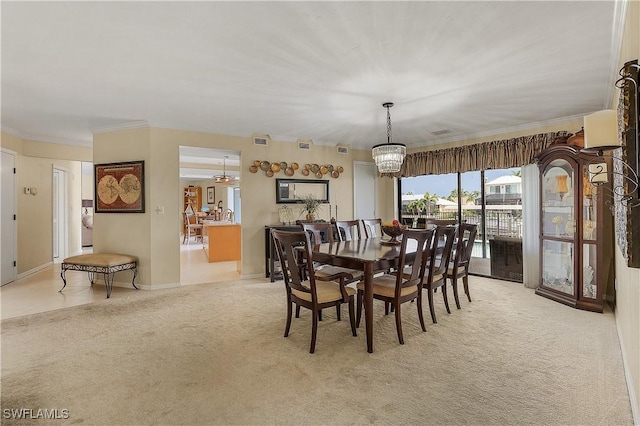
495, 206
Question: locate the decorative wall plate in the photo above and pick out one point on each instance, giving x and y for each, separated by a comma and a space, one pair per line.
275, 167
265, 165
253, 169
305, 172
295, 166
289, 171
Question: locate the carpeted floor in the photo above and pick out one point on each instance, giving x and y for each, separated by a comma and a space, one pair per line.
214, 354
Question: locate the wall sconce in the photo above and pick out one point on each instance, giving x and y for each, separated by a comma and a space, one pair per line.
601, 135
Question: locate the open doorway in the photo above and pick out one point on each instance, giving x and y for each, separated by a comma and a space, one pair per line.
209, 196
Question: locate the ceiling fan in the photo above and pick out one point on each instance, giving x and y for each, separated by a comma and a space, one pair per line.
224, 179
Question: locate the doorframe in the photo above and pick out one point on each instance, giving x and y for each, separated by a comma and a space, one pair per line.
63, 223
14, 223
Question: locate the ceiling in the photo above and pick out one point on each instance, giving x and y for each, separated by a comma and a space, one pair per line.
305, 70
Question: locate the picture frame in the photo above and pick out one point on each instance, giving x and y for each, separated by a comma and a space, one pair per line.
211, 194
119, 187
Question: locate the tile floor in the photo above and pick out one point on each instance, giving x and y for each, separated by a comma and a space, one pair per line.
38, 292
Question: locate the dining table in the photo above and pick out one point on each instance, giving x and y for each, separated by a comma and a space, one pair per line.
370, 255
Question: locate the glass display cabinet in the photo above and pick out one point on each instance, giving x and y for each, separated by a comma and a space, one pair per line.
571, 230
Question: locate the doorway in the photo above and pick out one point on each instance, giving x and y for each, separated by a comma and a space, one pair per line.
8, 217
364, 184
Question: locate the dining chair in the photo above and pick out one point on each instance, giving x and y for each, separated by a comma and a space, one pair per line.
370, 230
348, 229
438, 264
310, 290
459, 266
322, 232
191, 227
398, 288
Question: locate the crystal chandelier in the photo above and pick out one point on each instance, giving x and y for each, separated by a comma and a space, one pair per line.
389, 156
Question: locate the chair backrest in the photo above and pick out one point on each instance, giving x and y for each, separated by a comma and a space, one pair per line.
322, 232
413, 267
293, 248
348, 229
466, 237
441, 253
189, 218
369, 226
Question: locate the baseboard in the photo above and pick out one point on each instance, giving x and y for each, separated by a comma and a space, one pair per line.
627, 376
157, 287
34, 270
251, 276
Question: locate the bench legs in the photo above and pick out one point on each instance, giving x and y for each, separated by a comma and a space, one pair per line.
107, 272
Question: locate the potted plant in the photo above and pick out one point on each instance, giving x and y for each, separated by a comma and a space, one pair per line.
311, 205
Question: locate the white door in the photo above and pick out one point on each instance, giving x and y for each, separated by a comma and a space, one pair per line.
60, 203
8, 219
364, 190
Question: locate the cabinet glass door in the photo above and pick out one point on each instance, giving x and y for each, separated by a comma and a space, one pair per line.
589, 211
589, 270
557, 260
558, 200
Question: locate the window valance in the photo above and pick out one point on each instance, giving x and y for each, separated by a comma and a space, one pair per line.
501, 154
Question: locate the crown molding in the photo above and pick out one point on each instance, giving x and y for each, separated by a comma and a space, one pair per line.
619, 16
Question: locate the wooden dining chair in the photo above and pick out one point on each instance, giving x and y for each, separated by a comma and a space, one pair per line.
370, 230
459, 266
191, 227
321, 232
398, 288
436, 276
311, 291
348, 229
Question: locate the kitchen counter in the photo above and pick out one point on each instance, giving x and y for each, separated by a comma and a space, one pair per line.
222, 241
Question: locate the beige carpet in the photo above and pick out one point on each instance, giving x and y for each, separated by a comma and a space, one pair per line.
214, 354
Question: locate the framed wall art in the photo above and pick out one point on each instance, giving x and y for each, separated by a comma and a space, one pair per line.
211, 194
119, 187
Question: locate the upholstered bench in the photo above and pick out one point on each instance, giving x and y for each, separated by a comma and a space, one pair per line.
101, 263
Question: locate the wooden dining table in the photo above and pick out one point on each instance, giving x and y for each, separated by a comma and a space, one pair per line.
369, 255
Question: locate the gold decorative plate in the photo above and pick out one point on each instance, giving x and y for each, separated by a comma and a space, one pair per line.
265, 165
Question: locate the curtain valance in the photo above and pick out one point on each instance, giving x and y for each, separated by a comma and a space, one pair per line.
501, 154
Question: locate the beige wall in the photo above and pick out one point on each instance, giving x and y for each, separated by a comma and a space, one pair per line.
628, 279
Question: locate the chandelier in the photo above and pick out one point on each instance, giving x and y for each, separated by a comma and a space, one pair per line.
224, 178
389, 156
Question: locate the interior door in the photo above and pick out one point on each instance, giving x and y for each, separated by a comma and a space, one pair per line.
364, 190
8, 219
60, 203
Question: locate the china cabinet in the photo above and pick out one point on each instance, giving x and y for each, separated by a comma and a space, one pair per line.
574, 261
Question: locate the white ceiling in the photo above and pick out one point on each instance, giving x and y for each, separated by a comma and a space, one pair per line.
313, 70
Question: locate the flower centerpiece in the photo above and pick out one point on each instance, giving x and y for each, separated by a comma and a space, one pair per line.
394, 230
311, 205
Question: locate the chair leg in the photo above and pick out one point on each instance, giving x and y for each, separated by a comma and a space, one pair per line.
386, 308
320, 315
288, 326
297, 311
399, 323
420, 316
184, 236
431, 308
444, 296
314, 331
454, 284
359, 315
352, 318
338, 307
465, 282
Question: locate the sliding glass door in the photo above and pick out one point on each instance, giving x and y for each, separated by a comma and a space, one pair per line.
492, 199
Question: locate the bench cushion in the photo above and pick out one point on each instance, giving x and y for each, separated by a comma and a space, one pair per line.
100, 259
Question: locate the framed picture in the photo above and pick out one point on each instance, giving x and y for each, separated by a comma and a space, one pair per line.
211, 194
119, 187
